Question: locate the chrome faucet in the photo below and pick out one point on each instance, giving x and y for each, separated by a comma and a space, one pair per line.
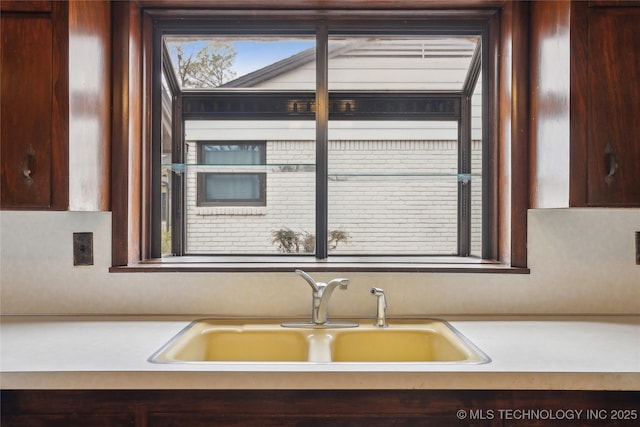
381, 315
321, 293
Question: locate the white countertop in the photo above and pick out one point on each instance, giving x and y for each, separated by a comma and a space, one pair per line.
111, 352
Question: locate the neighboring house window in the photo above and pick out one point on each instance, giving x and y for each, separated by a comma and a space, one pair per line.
374, 140
221, 184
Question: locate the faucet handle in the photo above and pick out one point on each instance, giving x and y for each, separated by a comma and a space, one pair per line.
309, 280
342, 283
320, 302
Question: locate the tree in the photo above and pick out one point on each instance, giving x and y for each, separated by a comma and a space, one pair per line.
289, 241
208, 67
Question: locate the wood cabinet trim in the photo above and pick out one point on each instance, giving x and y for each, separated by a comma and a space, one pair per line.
60, 149
275, 407
130, 232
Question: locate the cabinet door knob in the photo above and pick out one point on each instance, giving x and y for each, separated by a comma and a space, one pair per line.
612, 163
28, 165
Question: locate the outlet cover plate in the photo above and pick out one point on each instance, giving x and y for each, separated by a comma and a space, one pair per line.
82, 248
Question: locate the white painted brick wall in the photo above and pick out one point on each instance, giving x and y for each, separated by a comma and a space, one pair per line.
374, 196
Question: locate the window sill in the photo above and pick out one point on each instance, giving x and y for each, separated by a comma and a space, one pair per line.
339, 264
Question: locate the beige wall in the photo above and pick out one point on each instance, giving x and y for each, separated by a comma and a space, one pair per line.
582, 262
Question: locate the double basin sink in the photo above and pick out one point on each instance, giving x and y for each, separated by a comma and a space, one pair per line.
416, 341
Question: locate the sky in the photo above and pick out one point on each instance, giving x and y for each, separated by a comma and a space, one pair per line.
252, 55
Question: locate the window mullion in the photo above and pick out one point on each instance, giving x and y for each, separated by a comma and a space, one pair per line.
466, 140
178, 200
464, 177
322, 143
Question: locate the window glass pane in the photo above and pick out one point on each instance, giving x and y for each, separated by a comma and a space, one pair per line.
283, 178
232, 154
394, 144
399, 63
393, 191
241, 62
284, 223
393, 175
476, 170
230, 187
166, 175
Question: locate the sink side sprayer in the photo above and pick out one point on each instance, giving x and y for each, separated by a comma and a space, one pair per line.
381, 313
321, 293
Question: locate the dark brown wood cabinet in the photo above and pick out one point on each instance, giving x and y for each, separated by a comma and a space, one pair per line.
33, 106
25, 6
71, 420
605, 104
56, 104
349, 408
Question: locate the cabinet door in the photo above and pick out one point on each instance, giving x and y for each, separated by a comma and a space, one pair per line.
614, 107
25, 5
26, 110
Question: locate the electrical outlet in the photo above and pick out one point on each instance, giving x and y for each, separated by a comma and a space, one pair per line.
82, 248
